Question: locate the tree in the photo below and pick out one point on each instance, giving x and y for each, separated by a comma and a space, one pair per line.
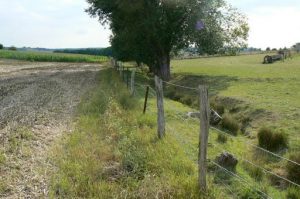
148, 31
12, 48
1, 46
268, 49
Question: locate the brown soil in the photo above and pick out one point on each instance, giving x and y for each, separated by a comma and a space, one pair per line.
37, 104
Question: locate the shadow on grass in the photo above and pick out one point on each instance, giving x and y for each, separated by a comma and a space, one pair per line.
215, 83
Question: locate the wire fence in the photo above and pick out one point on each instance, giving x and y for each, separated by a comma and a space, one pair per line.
192, 125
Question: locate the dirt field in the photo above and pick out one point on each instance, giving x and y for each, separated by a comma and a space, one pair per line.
37, 104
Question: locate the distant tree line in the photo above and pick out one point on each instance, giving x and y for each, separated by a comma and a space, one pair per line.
88, 51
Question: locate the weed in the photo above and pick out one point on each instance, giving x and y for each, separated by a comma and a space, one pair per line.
253, 171
293, 169
271, 140
230, 124
293, 193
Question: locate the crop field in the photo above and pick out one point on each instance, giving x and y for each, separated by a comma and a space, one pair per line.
268, 94
37, 105
50, 57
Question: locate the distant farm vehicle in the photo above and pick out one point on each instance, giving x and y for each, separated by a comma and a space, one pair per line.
282, 55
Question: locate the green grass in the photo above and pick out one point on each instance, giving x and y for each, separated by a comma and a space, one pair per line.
266, 94
50, 57
114, 151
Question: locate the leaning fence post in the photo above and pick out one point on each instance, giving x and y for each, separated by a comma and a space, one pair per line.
204, 130
160, 107
146, 99
132, 83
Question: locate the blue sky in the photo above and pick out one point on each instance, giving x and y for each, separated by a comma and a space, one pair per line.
63, 23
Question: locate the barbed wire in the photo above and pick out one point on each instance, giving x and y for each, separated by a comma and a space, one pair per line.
257, 166
180, 86
245, 182
255, 146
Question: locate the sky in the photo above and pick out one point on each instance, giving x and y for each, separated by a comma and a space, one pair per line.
64, 24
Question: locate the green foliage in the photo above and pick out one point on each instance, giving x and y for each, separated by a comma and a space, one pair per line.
1, 46
50, 57
230, 124
293, 193
147, 31
293, 169
271, 140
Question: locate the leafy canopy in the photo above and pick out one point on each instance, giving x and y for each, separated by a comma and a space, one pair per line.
148, 30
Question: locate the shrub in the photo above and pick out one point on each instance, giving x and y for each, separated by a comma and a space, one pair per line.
293, 169
1, 46
271, 140
222, 138
230, 124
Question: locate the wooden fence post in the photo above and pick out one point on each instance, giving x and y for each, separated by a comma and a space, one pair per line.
123, 71
120, 69
127, 77
132, 89
160, 107
204, 130
146, 99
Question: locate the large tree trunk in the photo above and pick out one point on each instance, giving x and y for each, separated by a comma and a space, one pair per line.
163, 69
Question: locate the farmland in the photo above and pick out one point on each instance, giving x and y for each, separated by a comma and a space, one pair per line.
132, 157
50, 57
246, 86
37, 105
85, 136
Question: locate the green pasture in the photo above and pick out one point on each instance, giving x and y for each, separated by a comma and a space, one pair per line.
50, 57
266, 93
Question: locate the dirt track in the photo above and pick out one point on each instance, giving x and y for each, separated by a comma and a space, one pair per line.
37, 102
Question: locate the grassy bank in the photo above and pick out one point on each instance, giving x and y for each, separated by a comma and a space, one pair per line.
114, 152
257, 94
50, 57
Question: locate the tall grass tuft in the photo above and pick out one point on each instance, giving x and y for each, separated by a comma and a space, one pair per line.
271, 140
293, 169
230, 124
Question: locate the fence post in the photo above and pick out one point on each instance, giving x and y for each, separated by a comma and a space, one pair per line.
123, 77
204, 130
146, 99
120, 69
132, 83
160, 107
127, 77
